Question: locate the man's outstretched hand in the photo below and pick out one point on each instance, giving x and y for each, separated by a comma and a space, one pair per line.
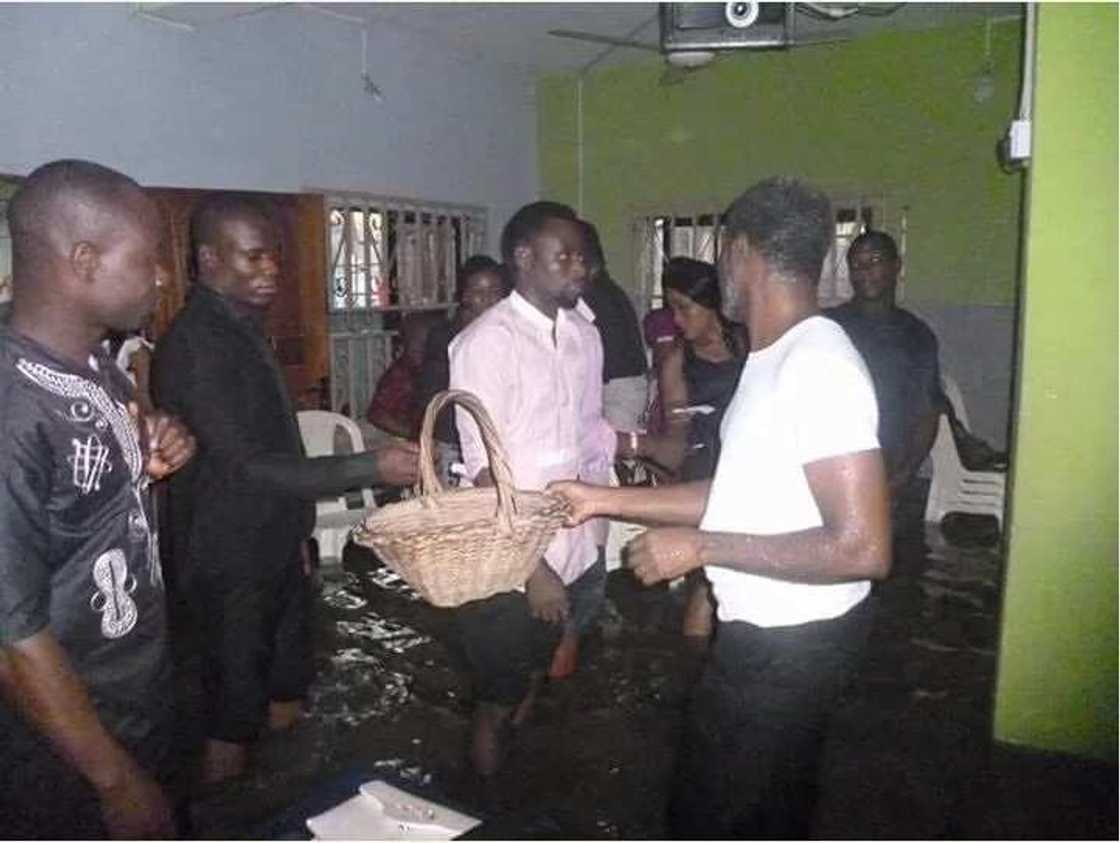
581, 498
398, 464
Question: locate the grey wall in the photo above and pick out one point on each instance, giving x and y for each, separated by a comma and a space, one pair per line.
267, 102
976, 345
274, 102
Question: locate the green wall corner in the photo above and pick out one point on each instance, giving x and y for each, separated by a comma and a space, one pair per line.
1057, 679
895, 114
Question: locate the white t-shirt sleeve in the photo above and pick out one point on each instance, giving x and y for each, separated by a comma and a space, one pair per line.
832, 405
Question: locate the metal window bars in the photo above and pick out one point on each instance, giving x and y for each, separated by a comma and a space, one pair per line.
658, 237
395, 254
387, 256
697, 233
5, 254
358, 359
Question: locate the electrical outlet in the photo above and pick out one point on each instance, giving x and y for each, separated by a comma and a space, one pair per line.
1019, 146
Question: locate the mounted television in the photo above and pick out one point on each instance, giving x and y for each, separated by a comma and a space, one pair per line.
725, 26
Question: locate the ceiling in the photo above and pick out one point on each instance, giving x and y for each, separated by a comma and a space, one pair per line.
517, 33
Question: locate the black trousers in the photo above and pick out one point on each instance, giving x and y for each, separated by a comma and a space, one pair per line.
755, 727
500, 644
254, 629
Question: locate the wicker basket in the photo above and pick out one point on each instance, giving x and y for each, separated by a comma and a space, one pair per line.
467, 544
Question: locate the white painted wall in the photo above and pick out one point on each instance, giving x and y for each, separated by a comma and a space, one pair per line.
268, 102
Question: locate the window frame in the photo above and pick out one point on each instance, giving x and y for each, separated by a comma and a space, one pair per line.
409, 283
833, 288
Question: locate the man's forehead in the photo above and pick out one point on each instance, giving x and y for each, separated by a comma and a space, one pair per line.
871, 249
248, 227
561, 229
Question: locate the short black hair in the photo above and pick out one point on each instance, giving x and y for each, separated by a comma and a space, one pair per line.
524, 225
37, 207
878, 241
698, 280
474, 265
212, 211
594, 246
215, 208
788, 222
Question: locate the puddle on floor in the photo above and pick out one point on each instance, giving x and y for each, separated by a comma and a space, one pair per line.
343, 591
389, 635
386, 580
388, 696
351, 692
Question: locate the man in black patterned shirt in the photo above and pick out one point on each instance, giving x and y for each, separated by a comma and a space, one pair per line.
86, 720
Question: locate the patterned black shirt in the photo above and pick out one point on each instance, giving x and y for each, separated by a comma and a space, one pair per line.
78, 545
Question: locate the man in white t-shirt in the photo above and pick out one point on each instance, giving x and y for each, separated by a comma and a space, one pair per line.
792, 529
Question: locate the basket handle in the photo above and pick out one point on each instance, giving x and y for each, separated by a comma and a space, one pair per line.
496, 454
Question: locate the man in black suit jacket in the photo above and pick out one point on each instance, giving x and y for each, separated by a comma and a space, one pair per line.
241, 516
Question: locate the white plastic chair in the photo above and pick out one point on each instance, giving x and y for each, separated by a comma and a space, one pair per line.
955, 488
333, 517
620, 535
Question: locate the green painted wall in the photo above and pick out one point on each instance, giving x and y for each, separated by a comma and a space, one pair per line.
893, 112
1058, 656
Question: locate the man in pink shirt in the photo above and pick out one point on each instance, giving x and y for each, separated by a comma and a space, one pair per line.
536, 361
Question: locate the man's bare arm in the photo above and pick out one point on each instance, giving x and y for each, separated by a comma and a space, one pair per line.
853, 543
36, 677
677, 503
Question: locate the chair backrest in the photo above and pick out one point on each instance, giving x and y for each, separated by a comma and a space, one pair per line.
947, 467
953, 393
954, 487
317, 429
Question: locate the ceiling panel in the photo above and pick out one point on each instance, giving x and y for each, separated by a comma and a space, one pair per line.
517, 33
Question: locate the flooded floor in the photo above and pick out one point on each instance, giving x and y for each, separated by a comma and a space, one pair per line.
909, 756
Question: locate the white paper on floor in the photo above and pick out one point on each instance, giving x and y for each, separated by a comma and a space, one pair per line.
383, 812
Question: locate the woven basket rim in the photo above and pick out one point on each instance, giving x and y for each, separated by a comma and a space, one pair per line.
528, 506
510, 525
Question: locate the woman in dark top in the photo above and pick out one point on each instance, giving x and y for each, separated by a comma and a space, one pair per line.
481, 282
697, 379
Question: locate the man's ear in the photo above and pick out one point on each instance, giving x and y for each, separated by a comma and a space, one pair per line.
739, 254
84, 260
207, 257
740, 248
523, 258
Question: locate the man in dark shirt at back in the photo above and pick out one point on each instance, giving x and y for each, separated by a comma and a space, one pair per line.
86, 723
624, 357
241, 515
900, 351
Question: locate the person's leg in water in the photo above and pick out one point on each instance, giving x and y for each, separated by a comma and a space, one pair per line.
699, 611
259, 661
503, 647
292, 660
585, 599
